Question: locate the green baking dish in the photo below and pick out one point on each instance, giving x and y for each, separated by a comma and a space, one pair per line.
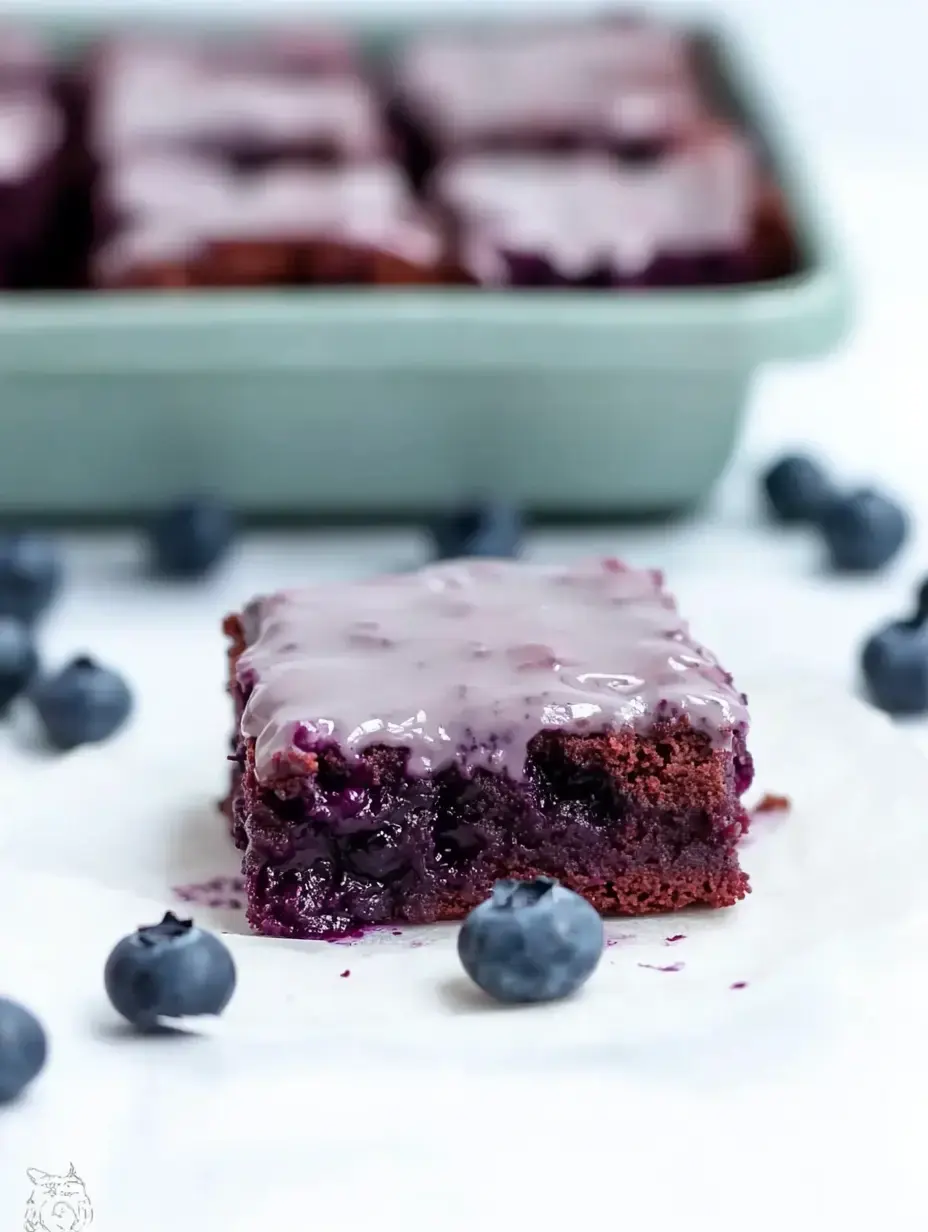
334, 402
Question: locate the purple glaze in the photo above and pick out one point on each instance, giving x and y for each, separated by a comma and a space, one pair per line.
464, 662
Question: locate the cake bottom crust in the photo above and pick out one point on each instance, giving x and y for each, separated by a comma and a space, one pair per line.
637, 892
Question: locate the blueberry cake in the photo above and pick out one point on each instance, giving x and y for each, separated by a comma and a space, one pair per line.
622, 84
32, 132
587, 220
403, 742
236, 166
185, 219
301, 96
591, 153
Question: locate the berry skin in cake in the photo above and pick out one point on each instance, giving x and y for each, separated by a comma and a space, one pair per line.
405, 742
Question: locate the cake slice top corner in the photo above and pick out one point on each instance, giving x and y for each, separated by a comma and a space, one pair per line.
464, 662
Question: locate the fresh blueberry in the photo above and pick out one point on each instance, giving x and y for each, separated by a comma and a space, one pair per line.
490, 530
863, 531
83, 704
531, 941
23, 1048
895, 663
19, 660
30, 575
797, 489
169, 970
191, 538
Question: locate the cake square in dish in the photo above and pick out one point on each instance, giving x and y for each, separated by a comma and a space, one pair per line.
687, 218
32, 136
305, 96
176, 219
626, 84
403, 742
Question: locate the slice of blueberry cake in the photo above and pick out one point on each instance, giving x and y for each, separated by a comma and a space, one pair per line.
403, 742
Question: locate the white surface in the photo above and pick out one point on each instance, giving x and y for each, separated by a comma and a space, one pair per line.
142, 817
723, 1131
322, 1091
389, 1090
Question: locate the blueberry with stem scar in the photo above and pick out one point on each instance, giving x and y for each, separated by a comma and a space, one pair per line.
531, 941
169, 970
894, 662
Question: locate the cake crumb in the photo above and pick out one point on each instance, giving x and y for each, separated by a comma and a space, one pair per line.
770, 803
677, 966
344, 975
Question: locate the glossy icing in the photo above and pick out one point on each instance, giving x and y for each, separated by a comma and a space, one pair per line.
31, 129
625, 79
176, 204
159, 94
582, 212
466, 661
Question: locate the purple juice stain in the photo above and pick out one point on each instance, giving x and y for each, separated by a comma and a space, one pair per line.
738, 984
218, 892
618, 938
677, 966
344, 975
676, 937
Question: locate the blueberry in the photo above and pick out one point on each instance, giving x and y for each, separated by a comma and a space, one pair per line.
191, 538
489, 530
30, 575
797, 489
863, 531
19, 660
83, 704
531, 941
895, 663
169, 970
23, 1048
